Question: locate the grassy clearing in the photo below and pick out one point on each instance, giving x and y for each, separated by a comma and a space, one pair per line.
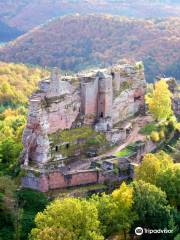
77, 140
129, 150
149, 128
124, 153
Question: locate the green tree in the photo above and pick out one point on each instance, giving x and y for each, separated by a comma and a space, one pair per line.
105, 206
152, 207
69, 218
169, 181
159, 101
177, 237
9, 153
7, 210
31, 202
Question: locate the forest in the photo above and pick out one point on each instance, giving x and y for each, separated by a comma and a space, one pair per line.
24, 14
78, 42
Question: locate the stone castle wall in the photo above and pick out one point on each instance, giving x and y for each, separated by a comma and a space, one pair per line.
57, 180
62, 112
129, 91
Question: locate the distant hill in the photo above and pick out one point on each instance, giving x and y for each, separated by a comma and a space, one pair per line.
25, 14
8, 33
77, 42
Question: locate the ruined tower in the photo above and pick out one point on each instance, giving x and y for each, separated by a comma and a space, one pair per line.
104, 102
54, 85
104, 95
89, 98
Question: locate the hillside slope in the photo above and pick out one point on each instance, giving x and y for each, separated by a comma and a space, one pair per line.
18, 81
76, 42
27, 14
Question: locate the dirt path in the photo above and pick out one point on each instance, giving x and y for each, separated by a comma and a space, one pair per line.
138, 123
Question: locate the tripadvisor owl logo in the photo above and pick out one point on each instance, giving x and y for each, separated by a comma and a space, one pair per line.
139, 231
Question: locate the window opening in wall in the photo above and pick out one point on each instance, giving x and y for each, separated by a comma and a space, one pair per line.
137, 98
67, 145
113, 75
102, 115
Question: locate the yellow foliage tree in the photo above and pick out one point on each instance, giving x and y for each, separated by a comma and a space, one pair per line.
18, 82
159, 101
152, 165
124, 216
155, 136
161, 134
68, 219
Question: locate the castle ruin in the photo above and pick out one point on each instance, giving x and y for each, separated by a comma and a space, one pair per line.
99, 99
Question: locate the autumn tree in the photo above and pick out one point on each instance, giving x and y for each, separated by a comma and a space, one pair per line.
159, 169
152, 165
115, 211
67, 219
18, 82
124, 216
159, 101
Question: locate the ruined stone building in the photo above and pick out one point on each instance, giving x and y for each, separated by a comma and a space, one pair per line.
99, 99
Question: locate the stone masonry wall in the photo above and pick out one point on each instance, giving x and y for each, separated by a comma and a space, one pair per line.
62, 112
58, 180
129, 90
